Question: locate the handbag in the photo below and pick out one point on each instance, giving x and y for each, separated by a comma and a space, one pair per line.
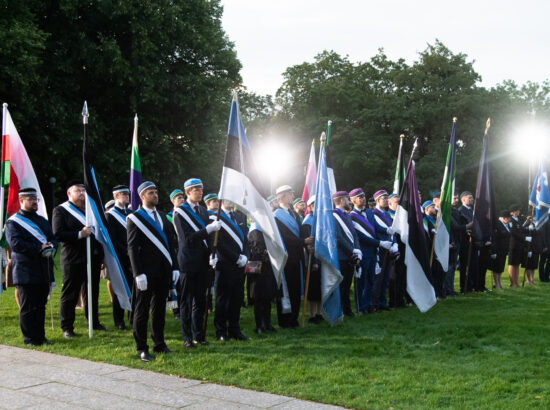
253, 268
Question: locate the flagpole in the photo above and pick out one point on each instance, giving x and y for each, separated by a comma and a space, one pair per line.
85, 116
397, 182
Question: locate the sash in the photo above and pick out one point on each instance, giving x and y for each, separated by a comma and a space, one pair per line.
193, 214
382, 218
30, 227
287, 221
362, 225
425, 223
74, 211
163, 248
345, 228
308, 220
185, 215
236, 236
119, 216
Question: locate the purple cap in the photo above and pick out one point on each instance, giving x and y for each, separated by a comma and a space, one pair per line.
380, 193
356, 192
339, 194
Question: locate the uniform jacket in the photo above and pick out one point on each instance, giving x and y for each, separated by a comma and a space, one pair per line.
119, 235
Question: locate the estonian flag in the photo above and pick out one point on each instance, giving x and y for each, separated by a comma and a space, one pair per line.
540, 196
409, 224
240, 185
95, 218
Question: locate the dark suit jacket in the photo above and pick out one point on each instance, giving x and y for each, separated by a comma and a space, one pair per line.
145, 257
228, 250
294, 245
467, 216
345, 246
502, 239
66, 228
119, 237
517, 239
29, 267
458, 228
192, 252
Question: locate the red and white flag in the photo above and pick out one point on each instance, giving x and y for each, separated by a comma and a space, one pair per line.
311, 175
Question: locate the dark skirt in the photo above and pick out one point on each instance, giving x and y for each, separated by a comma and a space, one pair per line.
515, 257
499, 263
314, 290
263, 285
532, 262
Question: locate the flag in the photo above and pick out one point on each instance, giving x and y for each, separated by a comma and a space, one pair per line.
399, 169
95, 217
135, 169
540, 196
484, 206
330, 171
17, 170
240, 184
325, 245
408, 222
311, 176
442, 235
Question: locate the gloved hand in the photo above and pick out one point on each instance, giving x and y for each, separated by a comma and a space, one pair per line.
141, 282
213, 261
242, 261
358, 272
385, 244
377, 269
494, 256
394, 248
358, 253
175, 275
531, 227
390, 231
52, 286
529, 254
213, 227
528, 238
488, 243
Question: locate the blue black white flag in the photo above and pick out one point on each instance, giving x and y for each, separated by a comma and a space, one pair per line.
540, 196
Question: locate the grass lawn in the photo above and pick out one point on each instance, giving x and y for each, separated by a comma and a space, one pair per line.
488, 350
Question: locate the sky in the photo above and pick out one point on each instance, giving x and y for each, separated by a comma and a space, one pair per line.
505, 39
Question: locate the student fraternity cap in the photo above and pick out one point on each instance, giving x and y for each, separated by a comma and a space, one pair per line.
192, 182
271, 198
380, 193
109, 204
372, 201
146, 185
283, 188
175, 193
120, 188
514, 208
392, 195
311, 200
356, 192
339, 194
465, 193
505, 213
297, 201
210, 197
427, 204
74, 182
28, 192
436, 194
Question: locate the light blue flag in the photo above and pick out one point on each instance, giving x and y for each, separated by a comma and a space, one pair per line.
326, 250
540, 197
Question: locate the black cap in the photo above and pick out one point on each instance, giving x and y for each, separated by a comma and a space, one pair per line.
505, 213
436, 194
120, 188
74, 182
28, 192
464, 193
514, 208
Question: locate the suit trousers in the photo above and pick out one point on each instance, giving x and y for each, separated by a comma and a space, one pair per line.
347, 271
381, 300
192, 303
473, 271
32, 313
154, 298
74, 282
229, 290
293, 281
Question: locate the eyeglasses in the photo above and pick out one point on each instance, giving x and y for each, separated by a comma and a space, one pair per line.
31, 199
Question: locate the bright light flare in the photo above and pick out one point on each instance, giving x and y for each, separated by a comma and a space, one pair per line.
273, 160
532, 141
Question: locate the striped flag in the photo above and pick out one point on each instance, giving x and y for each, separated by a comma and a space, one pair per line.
540, 196
311, 175
135, 169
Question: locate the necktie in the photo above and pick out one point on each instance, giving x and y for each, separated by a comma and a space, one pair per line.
155, 215
196, 209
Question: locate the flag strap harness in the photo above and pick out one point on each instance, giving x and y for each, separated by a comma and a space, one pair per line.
118, 216
30, 227
74, 211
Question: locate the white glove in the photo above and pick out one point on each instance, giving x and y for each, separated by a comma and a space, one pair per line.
390, 231
385, 244
358, 253
358, 272
494, 256
52, 286
394, 248
528, 238
377, 269
488, 243
175, 275
531, 227
141, 282
213, 227
529, 254
242, 261
213, 261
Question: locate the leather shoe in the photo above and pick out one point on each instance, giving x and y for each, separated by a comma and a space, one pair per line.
100, 328
222, 339
48, 342
121, 326
259, 331
69, 334
145, 357
163, 349
270, 328
188, 345
239, 336
33, 344
201, 342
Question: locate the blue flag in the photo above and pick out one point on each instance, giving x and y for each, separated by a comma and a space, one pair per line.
325, 245
540, 197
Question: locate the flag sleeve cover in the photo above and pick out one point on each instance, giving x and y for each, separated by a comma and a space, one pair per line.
484, 206
135, 170
240, 184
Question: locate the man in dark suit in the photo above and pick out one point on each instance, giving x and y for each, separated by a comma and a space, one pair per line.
193, 227
469, 244
232, 254
32, 245
69, 227
458, 232
116, 219
152, 253
502, 245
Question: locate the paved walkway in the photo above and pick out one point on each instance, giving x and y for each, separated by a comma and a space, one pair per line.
33, 379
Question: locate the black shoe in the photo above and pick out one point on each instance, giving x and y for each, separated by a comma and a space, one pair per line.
201, 342
259, 331
145, 357
270, 328
121, 326
34, 344
239, 336
349, 313
100, 328
188, 345
222, 338
163, 349
69, 334
48, 342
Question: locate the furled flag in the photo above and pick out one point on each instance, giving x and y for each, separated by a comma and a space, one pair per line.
135, 169
240, 184
540, 196
442, 235
95, 217
325, 245
17, 170
484, 206
311, 175
408, 222
399, 169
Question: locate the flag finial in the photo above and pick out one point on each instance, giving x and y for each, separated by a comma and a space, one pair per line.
136, 118
234, 95
323, 138
487, 125
402, 136
313, 141
454, 119
5, 105
85, 113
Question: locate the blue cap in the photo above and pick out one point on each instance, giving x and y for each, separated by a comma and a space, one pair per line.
427, 204
210, 197
392, 195
175, 193
146, 185
192, 182
271, 198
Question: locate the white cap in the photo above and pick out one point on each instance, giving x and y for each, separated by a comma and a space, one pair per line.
283, 188
311, 200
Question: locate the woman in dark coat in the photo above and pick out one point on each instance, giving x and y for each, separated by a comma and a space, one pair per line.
531, 251
263, 287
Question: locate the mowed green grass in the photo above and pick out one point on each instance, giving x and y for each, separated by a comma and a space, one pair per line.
488, 350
